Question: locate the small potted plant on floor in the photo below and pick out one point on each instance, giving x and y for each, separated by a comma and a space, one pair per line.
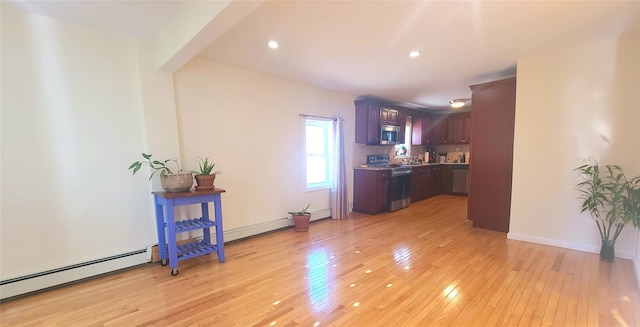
301, 219
612, 199
171, 180
205, 177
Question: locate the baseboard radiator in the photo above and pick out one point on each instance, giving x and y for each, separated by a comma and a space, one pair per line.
43, 280
50, 278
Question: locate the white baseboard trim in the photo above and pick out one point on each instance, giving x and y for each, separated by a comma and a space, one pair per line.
247, 231
567, 245
260, 228
320, 214
31, 283
35, 282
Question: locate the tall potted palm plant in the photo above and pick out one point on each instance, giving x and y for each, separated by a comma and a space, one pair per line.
612, 200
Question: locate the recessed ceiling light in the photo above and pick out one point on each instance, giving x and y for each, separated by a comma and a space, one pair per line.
273, 44
414, 53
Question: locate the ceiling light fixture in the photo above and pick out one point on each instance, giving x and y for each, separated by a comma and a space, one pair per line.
457, 103
414, 53
273, 44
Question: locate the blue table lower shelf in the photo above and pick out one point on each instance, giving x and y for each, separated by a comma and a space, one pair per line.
195, 249
167, 228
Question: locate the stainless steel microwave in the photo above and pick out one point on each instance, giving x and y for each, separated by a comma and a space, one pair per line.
389, 134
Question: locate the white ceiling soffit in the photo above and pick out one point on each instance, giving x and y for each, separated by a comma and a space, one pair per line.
362, 47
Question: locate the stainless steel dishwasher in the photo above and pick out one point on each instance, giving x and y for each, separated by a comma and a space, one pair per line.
460, 179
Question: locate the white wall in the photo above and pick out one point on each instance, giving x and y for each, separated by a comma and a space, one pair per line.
248, 124
573, 102
72, 122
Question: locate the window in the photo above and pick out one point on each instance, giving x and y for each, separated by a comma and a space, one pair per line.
404, 150
318, 143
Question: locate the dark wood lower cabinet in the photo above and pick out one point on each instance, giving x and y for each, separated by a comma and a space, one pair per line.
434, 180
371, 187
447, 179
418, 184
426, 181
371, 191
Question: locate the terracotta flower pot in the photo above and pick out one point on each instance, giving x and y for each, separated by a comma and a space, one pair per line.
301, 222
205, 182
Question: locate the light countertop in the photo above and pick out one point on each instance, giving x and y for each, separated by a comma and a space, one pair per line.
416, 165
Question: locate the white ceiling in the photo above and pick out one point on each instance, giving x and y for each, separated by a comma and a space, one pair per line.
362, 47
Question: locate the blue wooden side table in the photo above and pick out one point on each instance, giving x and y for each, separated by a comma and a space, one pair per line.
165, 203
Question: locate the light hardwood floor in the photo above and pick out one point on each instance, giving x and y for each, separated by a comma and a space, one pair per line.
421, 266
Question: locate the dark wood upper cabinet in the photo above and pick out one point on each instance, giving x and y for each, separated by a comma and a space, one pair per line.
421, 129
439, 129
402, 122
427, 129
389, 116
370, 114
367, 122
459, 128
466, 127
490, 172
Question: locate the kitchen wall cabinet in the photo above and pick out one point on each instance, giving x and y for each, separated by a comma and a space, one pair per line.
459, 128
490, 173
389, 116
451, 129
371, 191
367, 122
439, 129
421, 129
370, 114
402, 122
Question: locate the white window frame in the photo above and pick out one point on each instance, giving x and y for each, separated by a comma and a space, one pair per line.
327, 125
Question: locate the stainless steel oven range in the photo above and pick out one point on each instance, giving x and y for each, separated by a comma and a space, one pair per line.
399, 182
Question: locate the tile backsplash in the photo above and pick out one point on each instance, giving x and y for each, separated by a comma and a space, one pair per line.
360, 151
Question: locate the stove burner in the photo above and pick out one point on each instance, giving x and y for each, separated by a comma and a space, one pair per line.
382, 161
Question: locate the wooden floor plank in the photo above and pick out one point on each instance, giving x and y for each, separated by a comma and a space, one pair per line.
424, 265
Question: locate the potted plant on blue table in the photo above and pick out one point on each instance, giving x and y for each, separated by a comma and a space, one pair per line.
205, 176
171, 180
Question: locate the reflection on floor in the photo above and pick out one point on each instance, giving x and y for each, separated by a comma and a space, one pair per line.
420, 266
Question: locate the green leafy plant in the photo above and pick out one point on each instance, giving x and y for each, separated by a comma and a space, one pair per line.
156, 166
612, 199
206, 167
301, 212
